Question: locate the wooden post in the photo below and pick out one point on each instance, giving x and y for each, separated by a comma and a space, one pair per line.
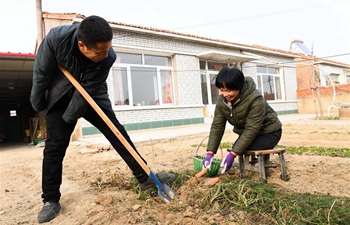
317, 81
320, 103
39, 24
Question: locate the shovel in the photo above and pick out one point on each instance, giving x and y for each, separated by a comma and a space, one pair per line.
165, 193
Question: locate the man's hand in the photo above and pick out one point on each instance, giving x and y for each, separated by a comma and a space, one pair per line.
227, 162
207, 160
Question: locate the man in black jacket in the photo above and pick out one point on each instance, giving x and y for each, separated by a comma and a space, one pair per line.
85, 50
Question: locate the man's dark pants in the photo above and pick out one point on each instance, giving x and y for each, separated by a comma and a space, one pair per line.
58, 137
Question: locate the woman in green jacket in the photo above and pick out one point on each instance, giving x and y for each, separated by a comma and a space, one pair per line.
244, 107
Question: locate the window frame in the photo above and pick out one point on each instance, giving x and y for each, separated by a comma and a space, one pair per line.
347, 76
333, 79
278, 74
208, 73
158, 73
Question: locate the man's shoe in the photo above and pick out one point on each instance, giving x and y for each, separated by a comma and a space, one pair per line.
48, 212
164, 178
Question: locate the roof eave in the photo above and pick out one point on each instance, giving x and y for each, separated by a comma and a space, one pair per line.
333, 64
197, 39
12, 54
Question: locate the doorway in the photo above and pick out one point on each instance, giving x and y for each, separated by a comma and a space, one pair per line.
210, 93
13, 122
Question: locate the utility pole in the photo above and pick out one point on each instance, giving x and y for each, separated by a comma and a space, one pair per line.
317, 82
39, 24
39, 38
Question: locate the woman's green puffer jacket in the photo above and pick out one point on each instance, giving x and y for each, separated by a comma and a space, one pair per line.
250, 116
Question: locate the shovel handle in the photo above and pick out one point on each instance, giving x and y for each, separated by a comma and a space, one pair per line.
104, 117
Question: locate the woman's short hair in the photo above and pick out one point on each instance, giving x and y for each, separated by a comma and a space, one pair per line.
230, 78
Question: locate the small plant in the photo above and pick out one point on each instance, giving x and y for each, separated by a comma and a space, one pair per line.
270, 206
244, 196
196, 145
331, 118
263, 203
226, 145
333, 132
324, 151
223, 145
150, 219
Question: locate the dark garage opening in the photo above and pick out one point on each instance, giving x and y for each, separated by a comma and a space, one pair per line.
16, 71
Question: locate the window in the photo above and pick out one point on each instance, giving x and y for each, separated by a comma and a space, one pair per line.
269, 82
332, 78
210, 93
204, 87
129, 58
214, 91
13, 113
141, 80
347, 76
216, 66
121, 90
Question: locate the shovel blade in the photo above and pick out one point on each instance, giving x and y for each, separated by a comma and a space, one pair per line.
169, 192
164, 197
165, 193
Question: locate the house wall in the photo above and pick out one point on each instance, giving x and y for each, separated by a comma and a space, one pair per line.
166, 45
188, 109
288, 105
188, 106
187, 81
305, 76
308, 102
325, 70
51, 20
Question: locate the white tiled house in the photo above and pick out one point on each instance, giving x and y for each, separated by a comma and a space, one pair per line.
163, 78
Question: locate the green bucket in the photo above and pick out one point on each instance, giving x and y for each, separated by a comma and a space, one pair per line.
214, 167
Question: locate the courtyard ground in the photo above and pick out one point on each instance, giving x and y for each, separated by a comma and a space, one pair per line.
96, 186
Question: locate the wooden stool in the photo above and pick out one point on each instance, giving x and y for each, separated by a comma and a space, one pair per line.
263, 162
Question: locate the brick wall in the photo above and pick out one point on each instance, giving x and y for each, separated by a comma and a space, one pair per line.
306, 100
305, 76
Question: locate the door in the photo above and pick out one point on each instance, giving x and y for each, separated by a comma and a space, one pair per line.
13, 122
210, 93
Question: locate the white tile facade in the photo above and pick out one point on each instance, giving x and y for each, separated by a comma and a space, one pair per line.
187, 84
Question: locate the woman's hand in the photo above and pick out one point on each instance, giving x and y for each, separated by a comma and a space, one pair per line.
206, 163
227, 162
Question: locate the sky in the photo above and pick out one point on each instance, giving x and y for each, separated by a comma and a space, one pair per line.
323, 25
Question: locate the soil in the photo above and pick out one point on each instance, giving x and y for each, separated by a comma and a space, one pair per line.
96, 187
